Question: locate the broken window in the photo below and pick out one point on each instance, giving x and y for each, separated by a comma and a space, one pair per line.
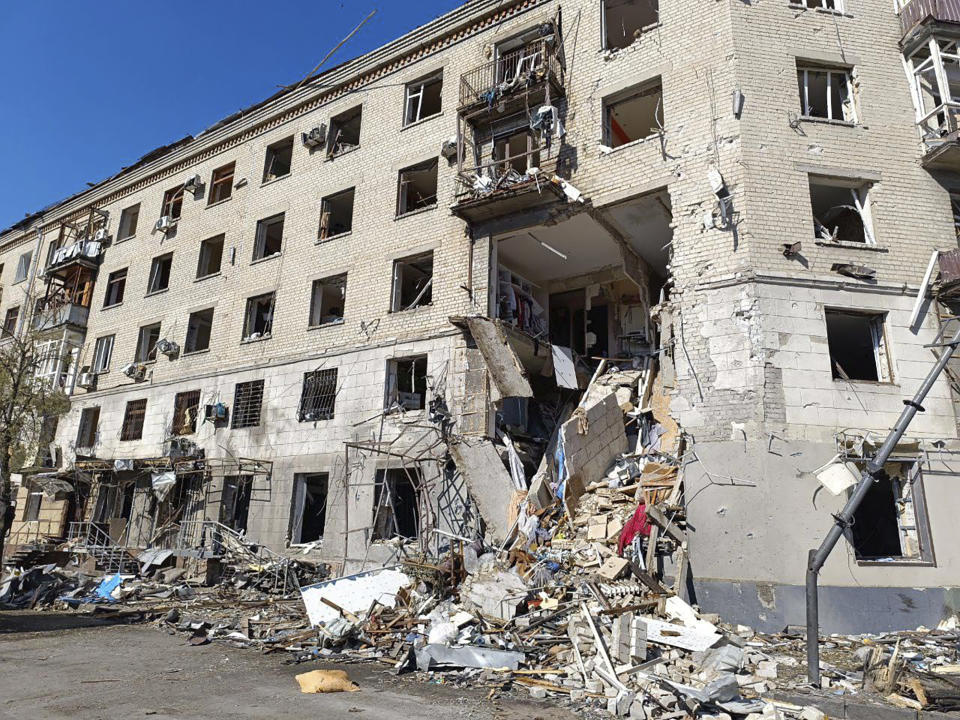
199, 326
336, 214
186, 406
625, 20
128, 222
309, 514
417, 187
279, 159
258, 319
412, 282
633, 116
326, 300
211, 256
221, 184
518, 151
836, 5
269, 239
116, 284
826, 93
423, 98
133, 417
10, 321
172, 203
102, 354
318, 398
344, 133
395, 505
31, 510
160, 273
23, 267
857, 346
407, 383
87, 431
841, 210
247, 399
147, 343
892, 522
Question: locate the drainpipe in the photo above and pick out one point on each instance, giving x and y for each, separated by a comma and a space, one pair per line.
843, 520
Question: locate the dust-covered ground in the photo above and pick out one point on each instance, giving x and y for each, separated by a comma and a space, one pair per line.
69, 666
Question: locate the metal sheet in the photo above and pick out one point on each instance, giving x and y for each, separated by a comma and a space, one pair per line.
431, 656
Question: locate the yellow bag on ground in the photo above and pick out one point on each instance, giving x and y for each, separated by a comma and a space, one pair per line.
326, 681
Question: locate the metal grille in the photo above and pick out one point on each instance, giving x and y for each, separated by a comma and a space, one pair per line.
185, 407
247, 399
319, 396
133, 420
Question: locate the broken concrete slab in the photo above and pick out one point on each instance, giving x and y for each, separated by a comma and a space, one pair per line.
488, 481
504, 366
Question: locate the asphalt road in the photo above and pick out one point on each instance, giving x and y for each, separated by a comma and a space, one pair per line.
65, 666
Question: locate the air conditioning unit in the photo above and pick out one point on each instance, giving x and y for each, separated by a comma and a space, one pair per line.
448, 148
87, 380
101, 235
316, 137
165, 224
193, 185
217, 412
168, 347
135, 371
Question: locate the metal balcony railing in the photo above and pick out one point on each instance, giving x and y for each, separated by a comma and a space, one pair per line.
90, 538
915, 12
533, 63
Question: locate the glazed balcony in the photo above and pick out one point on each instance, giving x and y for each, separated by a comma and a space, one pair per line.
928, 14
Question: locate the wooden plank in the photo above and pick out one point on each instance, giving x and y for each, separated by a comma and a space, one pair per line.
658, 517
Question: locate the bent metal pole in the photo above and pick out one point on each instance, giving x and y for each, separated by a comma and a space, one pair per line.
871, 474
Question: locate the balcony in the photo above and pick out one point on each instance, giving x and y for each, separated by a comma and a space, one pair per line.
525, 76
83, 252
497, 189
50, 316
914, 13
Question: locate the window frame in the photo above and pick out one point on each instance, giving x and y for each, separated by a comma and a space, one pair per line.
125, 215
260, 239
219, 177
605, 45
156, 265
861, 193
172, 203
112, 280
804, 69
250, 305
134, 420
31, 508
184, 412
882, 356
87, 429
270, 157
204, 254
24, 262
299, 505
143, 334
432, 163
318, 395
392, 390
191, 332
421, 85
11, 317
340, 278
332, 134
647, 87
325, 202
244, 419
396, 298
97, 365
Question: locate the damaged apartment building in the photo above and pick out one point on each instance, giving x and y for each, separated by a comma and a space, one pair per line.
328, 322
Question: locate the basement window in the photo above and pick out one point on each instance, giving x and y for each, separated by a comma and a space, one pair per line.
395, 504
87, 431
623, 21
412, 282
102, 354
309, 513
841, 210
199, 326
417, 187
327, 299
211, 256
423, 98
826, 93
344, 133
407, 383
23, 267
269, 241
172, 203
221, 184
336, 214
258, 319
186, 407
160, 273
128, 222
10, 321
857, 344
247, 400
891, 523
633, 115
31, 511
318, 398
147, 343
133, 418
116, 284
279, 159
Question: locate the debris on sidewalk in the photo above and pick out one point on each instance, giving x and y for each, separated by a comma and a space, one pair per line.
325, 681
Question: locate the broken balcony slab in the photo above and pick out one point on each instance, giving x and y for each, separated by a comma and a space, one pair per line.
504, 366
488, 481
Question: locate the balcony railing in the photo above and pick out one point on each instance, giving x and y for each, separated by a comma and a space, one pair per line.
915, 12
524, 67
89, 250
53, 315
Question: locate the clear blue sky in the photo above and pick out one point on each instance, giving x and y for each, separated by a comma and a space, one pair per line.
89, 86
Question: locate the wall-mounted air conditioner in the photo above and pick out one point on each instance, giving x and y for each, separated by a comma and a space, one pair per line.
168, 347
316, 137
135, 371
87, 380
165, 224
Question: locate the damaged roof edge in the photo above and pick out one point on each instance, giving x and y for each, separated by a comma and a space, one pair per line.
447, 24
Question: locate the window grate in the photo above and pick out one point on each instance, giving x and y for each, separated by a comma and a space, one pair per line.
247, 399
133, 419
186, 405
319, 395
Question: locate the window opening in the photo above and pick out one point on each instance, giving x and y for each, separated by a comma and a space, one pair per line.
309, 507
87, 431
857, 346
133, 419
199, 326
892, 521
826, 93
128, 222
336, 214
423, 98
407, 383
221, 184
247, 400
344, 132
102, 354
412, 282
841, 211
235, 508
186, 406
147, 343
160, 273
116, 284
318, 398
417, 187
327, 300
211, 256
269, 239
172, 203
625, 20
634, 117
258, 320
279, 160
395, 504
10, 321
31, 512
23, 267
